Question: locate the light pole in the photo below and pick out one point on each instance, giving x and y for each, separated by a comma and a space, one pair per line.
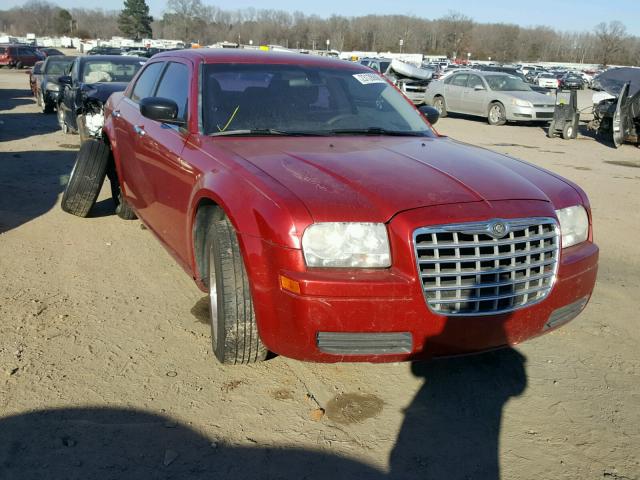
401, 42
468, 57
328, 43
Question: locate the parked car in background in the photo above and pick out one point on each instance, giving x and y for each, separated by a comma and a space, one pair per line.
84, 90
571, 80
35, 77
49, 88
105, 51
515, 73
547, 80
378, 64
499, 97
49, 52
19, 56
324, 217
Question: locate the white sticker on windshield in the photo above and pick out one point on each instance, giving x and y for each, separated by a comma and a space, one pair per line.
368, 78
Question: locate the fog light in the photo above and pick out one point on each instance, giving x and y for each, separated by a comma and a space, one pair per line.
289, 285
565, 314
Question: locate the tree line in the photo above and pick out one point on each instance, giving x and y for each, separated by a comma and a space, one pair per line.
452, 35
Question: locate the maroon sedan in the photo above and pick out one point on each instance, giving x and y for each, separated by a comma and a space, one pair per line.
325, 217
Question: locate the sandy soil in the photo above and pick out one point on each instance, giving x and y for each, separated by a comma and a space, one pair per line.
106, 369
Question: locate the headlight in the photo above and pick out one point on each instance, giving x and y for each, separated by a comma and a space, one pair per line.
522, 103
53, 87
346, 245
574, 225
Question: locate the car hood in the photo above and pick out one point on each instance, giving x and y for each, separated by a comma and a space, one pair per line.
614, 79
531, 96
374, 178
102, 91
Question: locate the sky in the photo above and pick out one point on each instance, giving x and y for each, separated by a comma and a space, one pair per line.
568, 15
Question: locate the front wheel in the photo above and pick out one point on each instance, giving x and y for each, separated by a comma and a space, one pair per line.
86, 178
234, 332
497, 114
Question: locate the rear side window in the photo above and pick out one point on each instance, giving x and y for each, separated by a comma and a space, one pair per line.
174, 85
145, 83
3, 50
460, 80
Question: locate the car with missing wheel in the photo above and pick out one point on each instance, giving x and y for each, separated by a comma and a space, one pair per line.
49, 87
325, 217
88, 83
498, 97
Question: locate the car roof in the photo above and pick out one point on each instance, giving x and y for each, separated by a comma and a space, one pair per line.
228, 55
119, 58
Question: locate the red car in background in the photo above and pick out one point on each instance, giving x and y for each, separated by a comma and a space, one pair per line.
19, 56
327, 220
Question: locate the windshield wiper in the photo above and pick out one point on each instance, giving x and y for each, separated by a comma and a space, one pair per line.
376, 131
264, 132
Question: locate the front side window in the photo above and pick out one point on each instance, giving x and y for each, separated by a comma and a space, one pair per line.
174, 85
303, 100
475, 81
146, 81
506, 83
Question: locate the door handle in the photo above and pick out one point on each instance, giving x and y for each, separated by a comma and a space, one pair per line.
116, 113
139, 130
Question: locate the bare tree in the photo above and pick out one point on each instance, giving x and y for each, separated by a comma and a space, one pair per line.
609, 39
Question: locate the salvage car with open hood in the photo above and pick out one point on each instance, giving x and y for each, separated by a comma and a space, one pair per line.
618, 117
90, 80
327, 220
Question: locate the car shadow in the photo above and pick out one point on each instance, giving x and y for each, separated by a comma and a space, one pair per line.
15, 97
31, 183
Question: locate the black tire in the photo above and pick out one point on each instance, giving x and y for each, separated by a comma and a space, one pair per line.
234, 331
18, 65
551, 132
45, 106
497, 114
123, 209
440, 105
86, 178
569, 131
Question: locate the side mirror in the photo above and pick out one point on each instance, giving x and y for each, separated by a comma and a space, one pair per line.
64, 80
477, 88
160, 109
431, 113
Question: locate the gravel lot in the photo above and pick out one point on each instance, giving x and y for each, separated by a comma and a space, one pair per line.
106, 369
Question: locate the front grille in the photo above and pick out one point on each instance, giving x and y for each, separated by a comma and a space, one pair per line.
544, 114
466, 270
542, 105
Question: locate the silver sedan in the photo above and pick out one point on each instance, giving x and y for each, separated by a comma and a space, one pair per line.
499, 97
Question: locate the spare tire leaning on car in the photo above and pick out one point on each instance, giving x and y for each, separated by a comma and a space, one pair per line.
86, 178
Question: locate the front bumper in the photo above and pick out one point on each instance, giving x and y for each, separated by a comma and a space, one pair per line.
307, 325
516, 113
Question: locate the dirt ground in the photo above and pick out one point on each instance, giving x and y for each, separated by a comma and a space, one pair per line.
106, 369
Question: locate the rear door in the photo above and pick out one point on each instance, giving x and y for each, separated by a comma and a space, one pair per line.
453, 91
127, 121
474, 97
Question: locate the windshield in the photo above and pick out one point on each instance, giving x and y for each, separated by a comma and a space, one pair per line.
506, 83
110, 70
300, 99
57, 67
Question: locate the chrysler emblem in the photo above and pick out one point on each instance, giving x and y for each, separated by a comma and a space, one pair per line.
498, 229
